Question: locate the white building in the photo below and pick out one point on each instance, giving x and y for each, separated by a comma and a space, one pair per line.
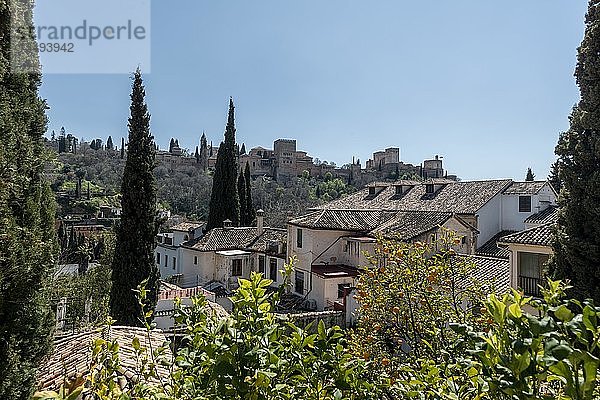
222, 255
330, 242
168, 245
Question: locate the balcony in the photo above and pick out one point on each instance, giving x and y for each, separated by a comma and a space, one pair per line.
530, 285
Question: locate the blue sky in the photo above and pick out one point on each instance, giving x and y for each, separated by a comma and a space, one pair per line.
487, 85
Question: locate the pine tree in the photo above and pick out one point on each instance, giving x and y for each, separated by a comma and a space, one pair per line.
122, 148
250, 213
554, 177
224, 200
204, 152
133, 259
109, 144
197, 155
241, 187
243, 149
171, 145
530, 176
577, 244
28, 246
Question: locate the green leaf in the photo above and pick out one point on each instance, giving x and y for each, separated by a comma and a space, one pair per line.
563, 313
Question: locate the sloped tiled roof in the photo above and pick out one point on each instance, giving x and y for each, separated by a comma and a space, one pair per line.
525, 188
261, 243
540, 236
187, 226
455, 197
491, 249
72, 354
490, 271
406, 225
242, 238
549, 215
344, 220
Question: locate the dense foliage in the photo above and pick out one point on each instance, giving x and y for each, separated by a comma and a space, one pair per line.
133, 259
577, 246
224, 200
27, 237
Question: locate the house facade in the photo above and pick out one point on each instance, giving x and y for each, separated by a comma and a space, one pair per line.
330, 242
220, 257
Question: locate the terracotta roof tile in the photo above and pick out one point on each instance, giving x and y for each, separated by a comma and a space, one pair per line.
549, 215
491, 271
540, 236
72, 354
406, 225
491, 249
456, 197
526, 188
242, 238
187, 226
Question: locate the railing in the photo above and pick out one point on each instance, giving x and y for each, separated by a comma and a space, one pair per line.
529, 285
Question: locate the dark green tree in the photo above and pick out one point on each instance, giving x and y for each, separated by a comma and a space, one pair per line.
554, 177
530, 176
250, 213
171, 145
224, 200
577, 244
28, 246
133, 260
243, 149
241, 187
204, 153
122, 148
109, 144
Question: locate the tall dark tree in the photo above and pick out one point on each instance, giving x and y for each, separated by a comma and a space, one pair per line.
204, 153
250, 213
224, 200
109, 144
171, 145
530, 176
133, 259
28, 247
197, 155
554, 177
243, 149
122, 148
241, 187
577, 244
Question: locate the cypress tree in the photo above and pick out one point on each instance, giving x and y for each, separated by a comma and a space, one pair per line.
577, 243
554, 177
122, 148
171, 145
243, 149
28, 247
241, 186
224, 200
250, 213
203, 152
109, 144
134, 249
530, 176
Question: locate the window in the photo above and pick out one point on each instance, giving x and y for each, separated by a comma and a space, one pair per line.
398, 190
530, 267
166, 260
372, 191
273, 269
299, 284
524, 203
174, 263
261, 264
429, 188
158, 258
343, 290
195, 260
236, 267
299, 238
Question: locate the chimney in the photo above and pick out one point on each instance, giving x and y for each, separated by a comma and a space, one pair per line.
227, 224
260, 214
